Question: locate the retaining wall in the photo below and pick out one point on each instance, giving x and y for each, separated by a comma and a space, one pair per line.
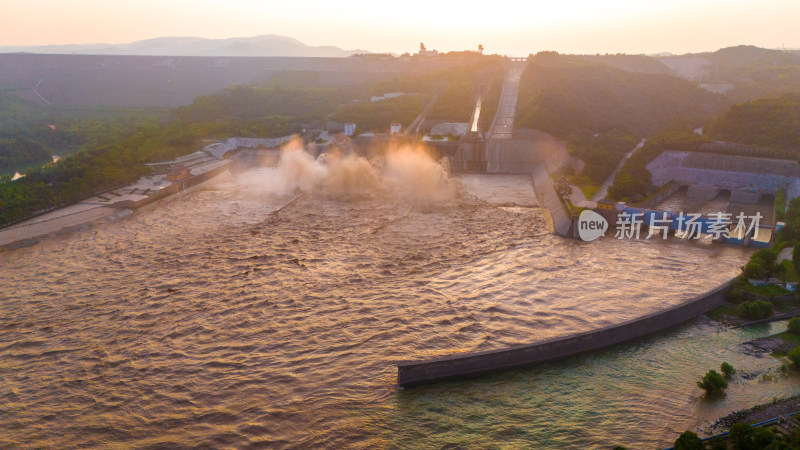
734, 173
526, 151
219, 149
748, 197
661, 196
44, 225
697, 192
548, 198
472, 364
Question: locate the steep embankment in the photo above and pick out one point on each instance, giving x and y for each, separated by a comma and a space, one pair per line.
772, 123
768, 128
742, 73
603, 111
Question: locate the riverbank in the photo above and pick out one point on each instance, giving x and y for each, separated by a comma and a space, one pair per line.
112, 205
757, 414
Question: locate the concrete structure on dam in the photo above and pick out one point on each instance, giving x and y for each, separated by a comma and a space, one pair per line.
523, 153
549, 198
504, 149
747, 178
473, 364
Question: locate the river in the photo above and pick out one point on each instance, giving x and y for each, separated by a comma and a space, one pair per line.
211, 321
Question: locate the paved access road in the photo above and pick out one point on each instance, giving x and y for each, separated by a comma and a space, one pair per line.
504, 121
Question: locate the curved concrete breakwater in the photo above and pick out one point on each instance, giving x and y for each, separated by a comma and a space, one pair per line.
473, 364
477, 363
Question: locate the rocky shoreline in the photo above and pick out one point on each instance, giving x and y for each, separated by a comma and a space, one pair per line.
756, 414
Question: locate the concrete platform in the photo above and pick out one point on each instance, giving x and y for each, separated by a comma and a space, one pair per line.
500, 189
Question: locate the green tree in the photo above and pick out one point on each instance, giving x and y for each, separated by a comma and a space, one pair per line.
771, 123
689, 441
742, 437
794, 356
755, 310
717, 443
755, 269
734, 296
795, 255
768, 257
794, 325
712, 382
745, 437
727, 369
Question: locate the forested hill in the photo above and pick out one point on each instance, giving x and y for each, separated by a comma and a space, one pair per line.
767, 128
18, 148
631, 63
772, 123
601, 110
26, 135
114, 150
754, 72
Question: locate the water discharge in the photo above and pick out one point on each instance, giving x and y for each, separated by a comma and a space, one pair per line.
404, 170
210, 321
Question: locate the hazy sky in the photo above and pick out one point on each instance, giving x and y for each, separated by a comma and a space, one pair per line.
513, 28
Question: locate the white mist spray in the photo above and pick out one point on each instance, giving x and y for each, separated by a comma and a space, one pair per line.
405, 171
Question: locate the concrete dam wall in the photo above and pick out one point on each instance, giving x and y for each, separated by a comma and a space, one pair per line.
548, 198
526, 151
473, 364
705, 173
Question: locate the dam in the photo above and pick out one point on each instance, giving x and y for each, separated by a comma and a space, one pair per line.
242, 315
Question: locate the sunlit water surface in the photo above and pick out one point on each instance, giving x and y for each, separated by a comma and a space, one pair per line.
210, 321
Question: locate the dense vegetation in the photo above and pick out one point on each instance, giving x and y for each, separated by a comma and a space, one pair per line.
727, 369
114, 150
754, 72
744, 437
743, 72
772, 123
30, 133
755, 310
491, 101
378, 115
713, 382
457, 88
791, 231
631, 63
794, 325
26, 135
455, 103
689, 441
764, 264
603, 111
633, 182
252, 104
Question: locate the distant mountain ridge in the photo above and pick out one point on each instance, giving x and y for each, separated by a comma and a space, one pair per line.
264, 45
742, 73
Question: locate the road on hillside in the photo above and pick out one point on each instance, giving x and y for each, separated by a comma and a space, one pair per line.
603, 192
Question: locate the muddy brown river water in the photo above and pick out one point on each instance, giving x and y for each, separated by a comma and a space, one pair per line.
210, 321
